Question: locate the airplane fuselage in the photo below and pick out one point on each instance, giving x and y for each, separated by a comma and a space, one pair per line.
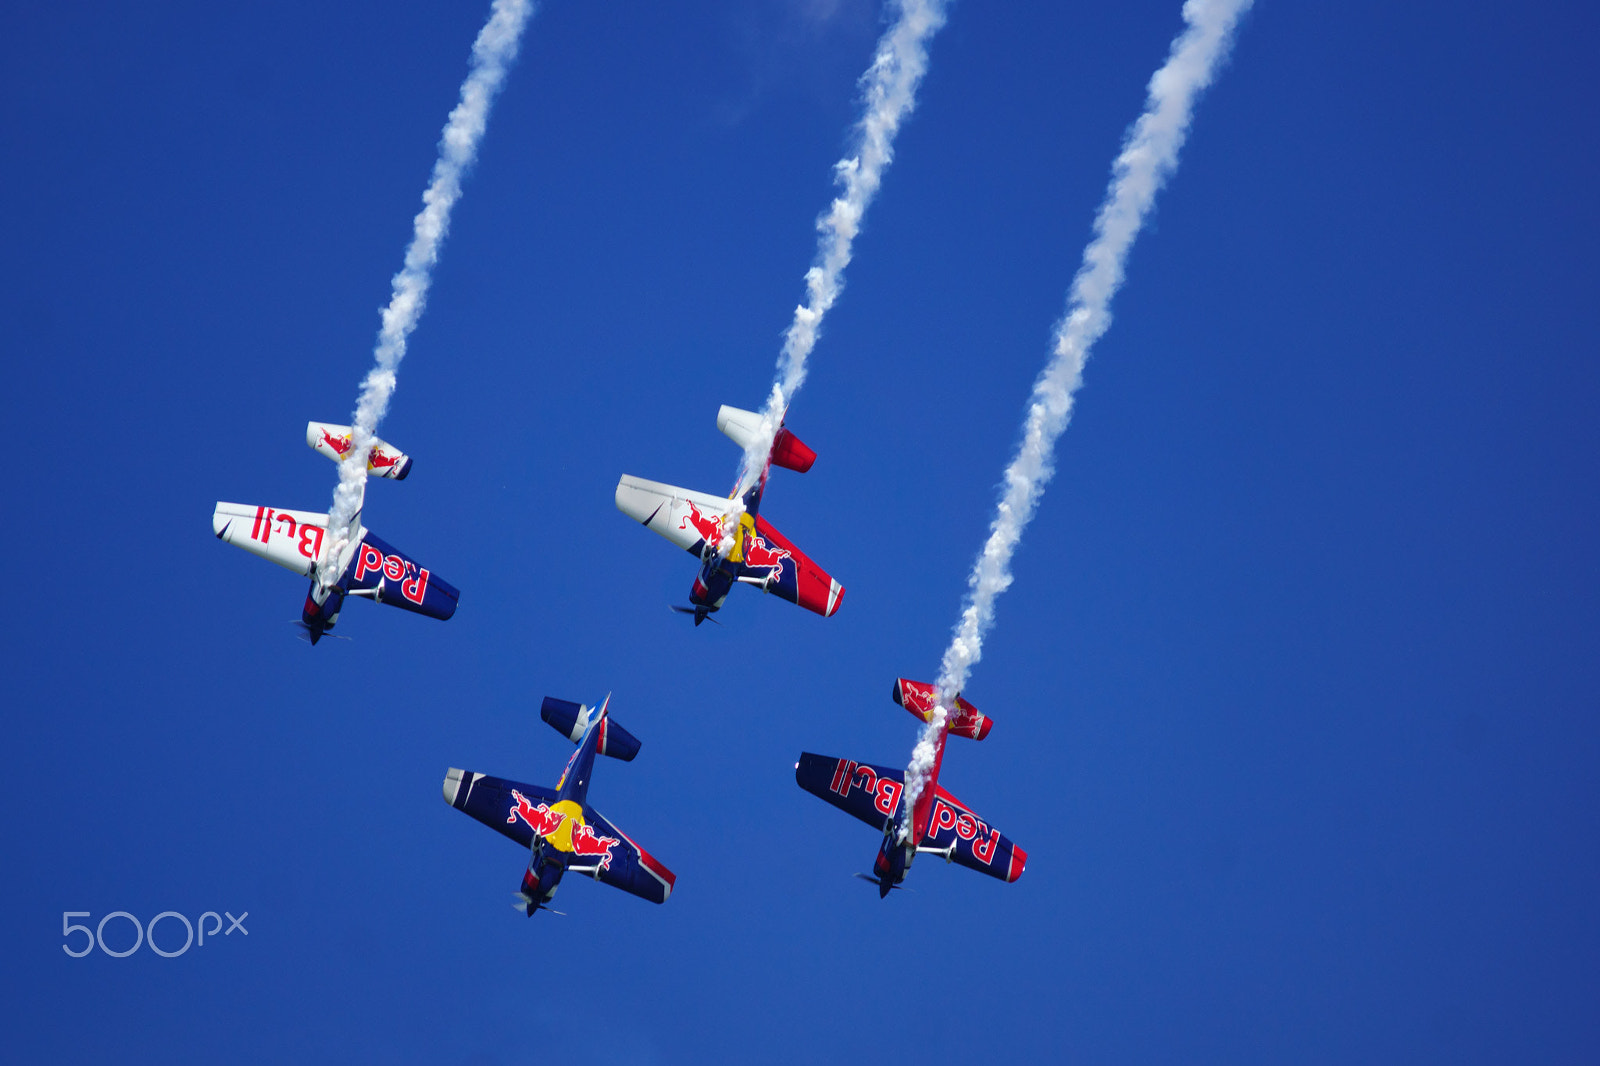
547, 863
321, 609
712, 583
894, 857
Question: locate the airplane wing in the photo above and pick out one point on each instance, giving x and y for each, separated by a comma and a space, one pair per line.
631, 868
787, 571
493, 801
683, 516
870, 793
292, 539
395, 578
978, 846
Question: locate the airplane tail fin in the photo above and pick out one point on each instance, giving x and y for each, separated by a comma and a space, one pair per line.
918, 697
572, 720
788, 450
385, 460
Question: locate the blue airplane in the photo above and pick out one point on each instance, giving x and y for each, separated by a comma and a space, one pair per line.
561, 831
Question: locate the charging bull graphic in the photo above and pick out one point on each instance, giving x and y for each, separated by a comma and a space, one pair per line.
751, 548
563, 828
759, 554
380, 460
709, 528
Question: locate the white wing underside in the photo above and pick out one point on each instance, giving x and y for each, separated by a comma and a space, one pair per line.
295, 540
669, 510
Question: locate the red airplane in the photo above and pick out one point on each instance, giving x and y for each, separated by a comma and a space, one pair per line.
938, 823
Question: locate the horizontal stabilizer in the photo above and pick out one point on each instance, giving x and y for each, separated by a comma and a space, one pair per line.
918, 697
384, 460
788, 450
572, 720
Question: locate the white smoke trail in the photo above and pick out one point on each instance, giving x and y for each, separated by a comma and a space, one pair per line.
1149, 156
492, 55
889, 90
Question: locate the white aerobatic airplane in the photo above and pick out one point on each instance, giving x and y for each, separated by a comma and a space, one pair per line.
367, 566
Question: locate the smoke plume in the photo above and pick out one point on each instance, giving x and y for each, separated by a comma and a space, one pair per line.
492, 55
888, 89
1148, 158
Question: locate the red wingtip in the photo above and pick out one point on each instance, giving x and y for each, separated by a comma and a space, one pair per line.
1019, 863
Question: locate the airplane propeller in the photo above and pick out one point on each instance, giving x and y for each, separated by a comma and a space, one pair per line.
305, 632
875, 881
700, 613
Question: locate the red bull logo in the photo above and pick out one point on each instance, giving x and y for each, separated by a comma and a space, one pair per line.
755, 551
759, 553
412, 580
541, 819
338, 444
967, 826
585, 842
269, 522
377, 458
563, 826
708, 526
885, 791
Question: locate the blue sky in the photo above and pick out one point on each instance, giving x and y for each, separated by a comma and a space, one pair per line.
1294, 695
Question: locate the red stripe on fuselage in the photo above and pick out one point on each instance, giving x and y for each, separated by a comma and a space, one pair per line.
922, 814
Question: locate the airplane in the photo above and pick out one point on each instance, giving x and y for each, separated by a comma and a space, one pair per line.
940, 824
368, 567
563, 833
758, 555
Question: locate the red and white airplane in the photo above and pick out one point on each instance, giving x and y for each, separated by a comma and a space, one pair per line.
366, 566
734, 544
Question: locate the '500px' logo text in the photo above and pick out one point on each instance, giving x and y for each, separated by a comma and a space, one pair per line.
96, 937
